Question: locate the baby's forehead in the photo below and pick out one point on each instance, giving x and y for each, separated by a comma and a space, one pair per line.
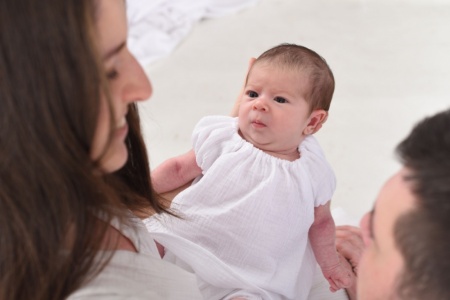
279, 80
277, 66
263, 69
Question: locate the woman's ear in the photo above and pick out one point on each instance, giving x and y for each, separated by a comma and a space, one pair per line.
316, 120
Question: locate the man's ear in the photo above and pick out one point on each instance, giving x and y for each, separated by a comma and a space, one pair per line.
316, 120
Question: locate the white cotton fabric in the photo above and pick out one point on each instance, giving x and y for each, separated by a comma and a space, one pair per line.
139, 276
246, 220
156, 27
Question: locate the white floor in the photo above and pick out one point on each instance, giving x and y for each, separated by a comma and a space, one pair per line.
390, 59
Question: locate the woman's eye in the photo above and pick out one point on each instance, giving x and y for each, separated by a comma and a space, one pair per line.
252, 94
280, 100
113, 74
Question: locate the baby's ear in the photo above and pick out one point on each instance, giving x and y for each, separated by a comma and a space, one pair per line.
316, 120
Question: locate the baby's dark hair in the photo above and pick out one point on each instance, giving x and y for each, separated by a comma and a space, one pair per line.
295, 57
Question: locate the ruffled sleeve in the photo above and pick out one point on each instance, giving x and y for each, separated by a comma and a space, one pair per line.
212, 137
322, 178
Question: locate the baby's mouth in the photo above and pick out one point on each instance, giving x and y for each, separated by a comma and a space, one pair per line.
258, 123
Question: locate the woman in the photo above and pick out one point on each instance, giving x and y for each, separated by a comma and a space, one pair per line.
68, 85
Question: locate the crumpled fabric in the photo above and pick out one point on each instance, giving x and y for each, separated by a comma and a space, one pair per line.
156, 27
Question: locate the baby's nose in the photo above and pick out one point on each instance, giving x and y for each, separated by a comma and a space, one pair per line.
260, 104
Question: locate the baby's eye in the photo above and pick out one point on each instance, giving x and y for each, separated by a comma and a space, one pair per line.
280, 100
252, 94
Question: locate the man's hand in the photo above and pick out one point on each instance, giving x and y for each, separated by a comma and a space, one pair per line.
350, 245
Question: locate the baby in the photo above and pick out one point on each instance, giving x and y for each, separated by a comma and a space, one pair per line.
257, 216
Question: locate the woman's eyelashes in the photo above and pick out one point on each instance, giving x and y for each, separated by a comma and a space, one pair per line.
112, 74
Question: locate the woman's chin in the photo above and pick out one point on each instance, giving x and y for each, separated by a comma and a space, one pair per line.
115, 159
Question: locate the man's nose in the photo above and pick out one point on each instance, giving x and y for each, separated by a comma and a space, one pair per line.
366, 228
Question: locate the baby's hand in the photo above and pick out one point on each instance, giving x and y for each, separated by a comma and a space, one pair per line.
339, 276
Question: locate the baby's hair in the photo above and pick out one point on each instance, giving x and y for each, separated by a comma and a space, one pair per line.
295, 57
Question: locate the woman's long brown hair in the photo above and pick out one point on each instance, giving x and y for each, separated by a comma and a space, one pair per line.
50, 192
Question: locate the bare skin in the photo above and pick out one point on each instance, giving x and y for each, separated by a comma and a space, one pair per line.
350, 246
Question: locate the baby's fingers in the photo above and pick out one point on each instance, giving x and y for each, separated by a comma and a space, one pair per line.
344, 282
333, 286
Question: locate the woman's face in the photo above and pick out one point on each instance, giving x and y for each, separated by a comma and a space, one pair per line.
127, 80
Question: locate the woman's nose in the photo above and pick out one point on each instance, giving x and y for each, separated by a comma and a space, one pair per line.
139, 87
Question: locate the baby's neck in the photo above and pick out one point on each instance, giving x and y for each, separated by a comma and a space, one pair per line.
289, 154
286, 155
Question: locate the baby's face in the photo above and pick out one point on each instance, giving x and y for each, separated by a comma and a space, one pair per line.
274, 113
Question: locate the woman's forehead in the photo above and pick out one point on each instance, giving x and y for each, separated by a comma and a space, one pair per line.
111, 24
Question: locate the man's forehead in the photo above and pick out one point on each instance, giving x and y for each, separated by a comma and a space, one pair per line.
395, 199
398, 187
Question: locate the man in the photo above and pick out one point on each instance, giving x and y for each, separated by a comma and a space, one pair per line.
406, 235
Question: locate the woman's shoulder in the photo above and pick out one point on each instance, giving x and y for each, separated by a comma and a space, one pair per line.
130, 275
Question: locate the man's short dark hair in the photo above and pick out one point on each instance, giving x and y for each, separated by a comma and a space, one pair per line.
423, 235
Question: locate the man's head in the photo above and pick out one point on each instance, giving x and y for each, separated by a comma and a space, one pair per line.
407, 233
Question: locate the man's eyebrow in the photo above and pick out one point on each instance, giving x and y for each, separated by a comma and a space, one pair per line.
114, 50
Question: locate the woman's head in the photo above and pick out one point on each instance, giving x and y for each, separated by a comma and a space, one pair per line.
127, 84
62, 108
67, 78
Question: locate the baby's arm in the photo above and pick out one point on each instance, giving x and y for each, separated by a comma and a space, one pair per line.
322, 237
175, 172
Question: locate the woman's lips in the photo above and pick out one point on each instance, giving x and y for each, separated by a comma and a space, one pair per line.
122, 122
121, 132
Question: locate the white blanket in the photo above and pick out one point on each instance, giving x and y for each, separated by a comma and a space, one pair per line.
156, 27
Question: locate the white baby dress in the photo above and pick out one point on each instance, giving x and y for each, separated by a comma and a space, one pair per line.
244, 223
